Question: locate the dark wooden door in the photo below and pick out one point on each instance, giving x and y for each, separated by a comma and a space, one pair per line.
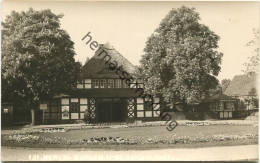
117, 110
111, 110
104, 111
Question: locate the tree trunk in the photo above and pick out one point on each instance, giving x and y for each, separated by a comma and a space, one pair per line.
33, 116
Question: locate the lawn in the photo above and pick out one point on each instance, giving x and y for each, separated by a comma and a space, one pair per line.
156, 131
147, 137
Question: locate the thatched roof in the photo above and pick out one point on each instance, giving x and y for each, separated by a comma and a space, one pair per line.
96, 67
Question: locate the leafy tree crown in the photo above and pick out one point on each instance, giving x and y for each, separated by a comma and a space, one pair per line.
181, 62
37, 55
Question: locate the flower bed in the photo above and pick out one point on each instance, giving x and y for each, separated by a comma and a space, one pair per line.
65, 128
108, 140
23, 138
200, 123
32, 139
51, 130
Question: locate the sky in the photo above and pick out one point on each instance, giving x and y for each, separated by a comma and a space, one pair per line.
127, 25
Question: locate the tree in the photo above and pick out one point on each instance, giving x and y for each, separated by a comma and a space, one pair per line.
253, 63
180, 61
37, 57
224, 84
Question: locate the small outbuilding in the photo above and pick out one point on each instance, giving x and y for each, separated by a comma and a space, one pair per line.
223, 105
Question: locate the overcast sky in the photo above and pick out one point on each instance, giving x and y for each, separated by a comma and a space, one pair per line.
127, 25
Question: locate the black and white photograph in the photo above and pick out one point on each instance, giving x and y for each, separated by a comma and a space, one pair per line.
129, 80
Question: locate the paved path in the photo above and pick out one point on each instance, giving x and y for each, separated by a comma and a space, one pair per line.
226, 153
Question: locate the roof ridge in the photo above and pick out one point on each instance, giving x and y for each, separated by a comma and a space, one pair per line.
114, 56
110, 47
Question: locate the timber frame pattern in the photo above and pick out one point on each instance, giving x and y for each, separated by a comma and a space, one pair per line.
97, 84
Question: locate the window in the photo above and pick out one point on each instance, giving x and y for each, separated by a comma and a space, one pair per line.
74, 100
105, 83
118, 83
102, 83
79, 85
148, 107
71, 108
74, 107
148, 103
95, 83
83, 107
110, 83
140, 83
87, 83
65, 112
84, 84
133, 84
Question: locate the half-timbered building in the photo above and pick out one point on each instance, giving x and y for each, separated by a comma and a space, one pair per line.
102, 95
